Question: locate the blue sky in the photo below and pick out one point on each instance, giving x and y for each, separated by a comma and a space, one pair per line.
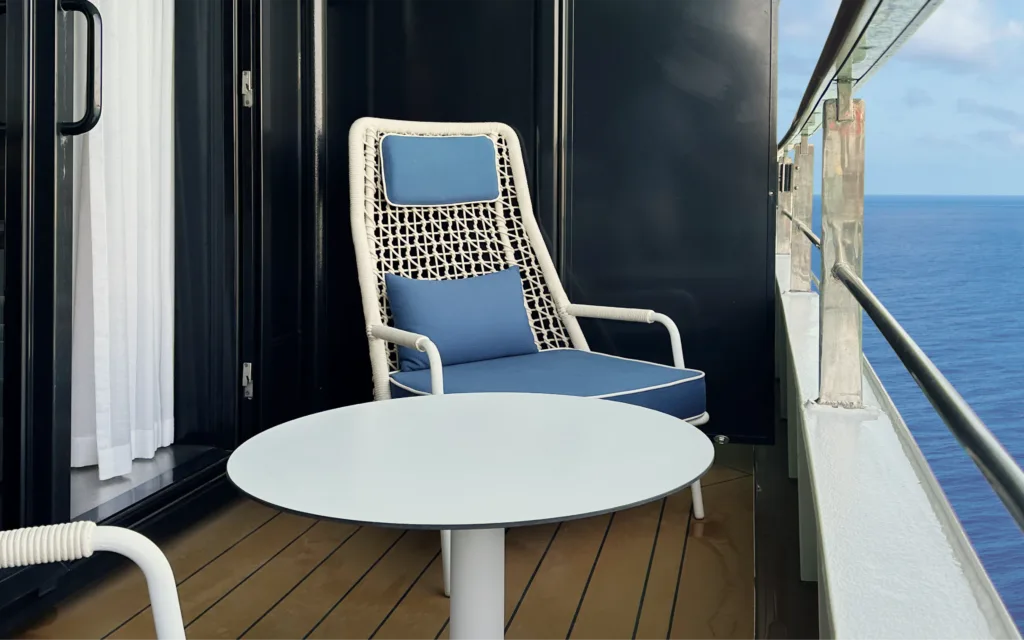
945, 115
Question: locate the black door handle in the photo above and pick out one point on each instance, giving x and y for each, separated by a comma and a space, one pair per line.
93, 69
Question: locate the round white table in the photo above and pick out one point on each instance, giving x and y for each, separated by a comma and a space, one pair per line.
473, 464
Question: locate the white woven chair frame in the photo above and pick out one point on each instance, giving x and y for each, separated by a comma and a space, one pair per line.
451, 241
457, 241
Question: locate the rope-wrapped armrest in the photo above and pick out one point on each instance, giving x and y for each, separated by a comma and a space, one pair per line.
413, 341
49, 543
624, 314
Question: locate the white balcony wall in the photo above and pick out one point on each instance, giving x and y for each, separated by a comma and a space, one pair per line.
876, 530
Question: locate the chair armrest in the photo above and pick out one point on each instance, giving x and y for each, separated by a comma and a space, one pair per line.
413, 341
633, 315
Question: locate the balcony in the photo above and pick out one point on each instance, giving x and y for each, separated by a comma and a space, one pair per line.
250, 571
840, 530
877, 533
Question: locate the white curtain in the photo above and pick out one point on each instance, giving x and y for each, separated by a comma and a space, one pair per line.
122, 382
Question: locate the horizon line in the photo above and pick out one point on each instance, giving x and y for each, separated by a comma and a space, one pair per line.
940, 195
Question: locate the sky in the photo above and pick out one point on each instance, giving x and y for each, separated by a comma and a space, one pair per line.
945, 115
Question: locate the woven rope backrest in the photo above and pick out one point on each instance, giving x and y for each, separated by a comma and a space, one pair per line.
456, 241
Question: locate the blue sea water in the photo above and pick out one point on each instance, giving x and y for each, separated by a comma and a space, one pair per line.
951, 270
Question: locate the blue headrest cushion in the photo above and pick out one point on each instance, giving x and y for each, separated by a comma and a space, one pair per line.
439, 170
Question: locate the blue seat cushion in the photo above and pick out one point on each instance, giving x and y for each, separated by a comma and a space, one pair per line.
571, 372
467, 319
439, 170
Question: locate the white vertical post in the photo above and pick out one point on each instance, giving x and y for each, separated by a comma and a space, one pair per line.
842, 209
783, 227
803, 204
478, 584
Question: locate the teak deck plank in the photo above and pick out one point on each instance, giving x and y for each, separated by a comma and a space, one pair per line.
303, 608
250, 571
659, 599
716, 586
614, 596
241, 608
100, 608
203, 589
422, 610
525, 549
361, 611
549, 607
719, 474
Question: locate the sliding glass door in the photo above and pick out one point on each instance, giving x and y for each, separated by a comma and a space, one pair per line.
128, 196
119, 241
155, 368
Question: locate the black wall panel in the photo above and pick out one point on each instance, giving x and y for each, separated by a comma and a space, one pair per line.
468, 61
672, 150
669, 163
205, 356
281, 380
443, 60
344, 358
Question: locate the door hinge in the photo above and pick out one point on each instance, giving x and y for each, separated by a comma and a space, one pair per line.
247, 380
247, 88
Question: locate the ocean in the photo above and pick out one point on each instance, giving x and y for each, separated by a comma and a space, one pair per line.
951, 270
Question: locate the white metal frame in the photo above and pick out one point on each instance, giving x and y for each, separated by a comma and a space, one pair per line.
513, 239
76, 540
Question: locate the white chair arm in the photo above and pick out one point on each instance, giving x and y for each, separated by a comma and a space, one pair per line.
633, 315
163, 591
610, 313
75, 540
413, 341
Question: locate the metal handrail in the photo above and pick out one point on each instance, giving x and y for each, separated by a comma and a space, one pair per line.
995, 463
864, 35
832, 56
815, 240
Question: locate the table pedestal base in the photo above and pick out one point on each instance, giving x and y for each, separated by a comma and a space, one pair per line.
478, 584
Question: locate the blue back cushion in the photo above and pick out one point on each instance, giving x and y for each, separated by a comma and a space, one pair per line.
469, 319
439, 170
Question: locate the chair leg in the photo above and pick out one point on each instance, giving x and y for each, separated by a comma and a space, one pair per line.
698, 500
446, 560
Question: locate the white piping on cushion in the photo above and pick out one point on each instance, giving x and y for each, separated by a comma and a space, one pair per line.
633, 315
603, 396
414, 341
698, 419
384, 183
608, 355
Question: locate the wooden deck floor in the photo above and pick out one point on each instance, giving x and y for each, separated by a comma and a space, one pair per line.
250, 571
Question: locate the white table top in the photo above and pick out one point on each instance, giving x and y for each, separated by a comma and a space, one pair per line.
471, 460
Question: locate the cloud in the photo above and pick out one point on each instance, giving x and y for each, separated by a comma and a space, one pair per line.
1002, 139
999, 114
917, 97
963, 36
1011, 138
